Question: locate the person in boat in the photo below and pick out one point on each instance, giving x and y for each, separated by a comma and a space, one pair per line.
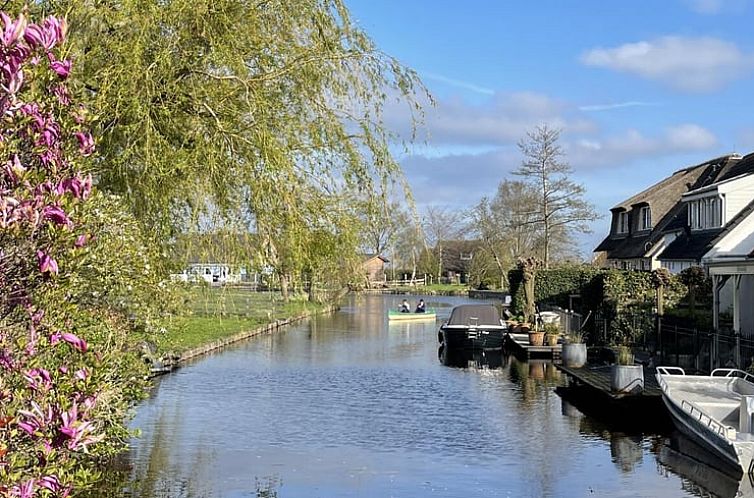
404, 307
421, 307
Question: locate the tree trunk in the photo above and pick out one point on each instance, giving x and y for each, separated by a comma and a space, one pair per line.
312, 295
284, 287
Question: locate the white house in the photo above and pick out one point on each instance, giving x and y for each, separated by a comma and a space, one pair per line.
212, 273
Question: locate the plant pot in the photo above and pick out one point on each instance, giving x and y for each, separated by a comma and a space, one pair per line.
627, 379
552, 340
574, 355
536, 338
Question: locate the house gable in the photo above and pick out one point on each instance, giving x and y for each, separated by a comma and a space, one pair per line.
657, 215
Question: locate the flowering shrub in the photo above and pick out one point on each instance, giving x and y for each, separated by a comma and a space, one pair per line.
64, 378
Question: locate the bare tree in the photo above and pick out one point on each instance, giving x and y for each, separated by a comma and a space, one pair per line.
380, 222
441, 225
561, 208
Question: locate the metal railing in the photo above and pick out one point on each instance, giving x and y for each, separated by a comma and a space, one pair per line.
715, 425
732, 372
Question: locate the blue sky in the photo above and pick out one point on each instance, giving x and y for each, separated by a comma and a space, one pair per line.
639, 89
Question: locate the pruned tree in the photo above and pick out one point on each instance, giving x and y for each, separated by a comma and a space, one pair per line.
503, 224
561, 207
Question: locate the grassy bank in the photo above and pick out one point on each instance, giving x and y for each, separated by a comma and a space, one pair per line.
434, 289
215, 313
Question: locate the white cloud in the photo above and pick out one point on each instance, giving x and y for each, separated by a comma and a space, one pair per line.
499, 121
690, 64
632, 145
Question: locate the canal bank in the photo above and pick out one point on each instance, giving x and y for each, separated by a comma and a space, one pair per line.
217, 332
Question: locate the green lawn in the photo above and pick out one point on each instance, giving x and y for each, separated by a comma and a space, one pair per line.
216, 313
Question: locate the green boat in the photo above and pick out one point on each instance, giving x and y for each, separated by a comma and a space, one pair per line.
394, 315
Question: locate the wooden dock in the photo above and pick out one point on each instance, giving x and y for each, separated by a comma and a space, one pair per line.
519, 343
598, 378
589, 390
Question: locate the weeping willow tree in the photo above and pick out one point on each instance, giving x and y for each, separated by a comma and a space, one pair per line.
268, 110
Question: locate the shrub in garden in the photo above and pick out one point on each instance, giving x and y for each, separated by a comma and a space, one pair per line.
69, 294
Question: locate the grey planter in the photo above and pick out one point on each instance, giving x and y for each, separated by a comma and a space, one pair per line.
574, 355
627, 379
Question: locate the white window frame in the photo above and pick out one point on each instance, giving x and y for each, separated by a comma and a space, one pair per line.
622, 225
645, 218
705, 213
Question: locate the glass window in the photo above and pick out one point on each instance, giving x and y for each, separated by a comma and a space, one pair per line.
705, 213
622, 223
645, 217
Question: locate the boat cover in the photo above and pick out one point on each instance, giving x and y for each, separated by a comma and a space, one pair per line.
474, 314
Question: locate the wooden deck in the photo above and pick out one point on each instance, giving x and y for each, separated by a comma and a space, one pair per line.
520, 345
598, 378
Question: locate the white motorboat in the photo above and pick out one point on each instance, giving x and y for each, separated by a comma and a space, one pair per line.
713, 410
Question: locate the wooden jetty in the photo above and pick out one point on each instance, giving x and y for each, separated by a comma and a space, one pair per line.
519, 343
598, 378
589, 389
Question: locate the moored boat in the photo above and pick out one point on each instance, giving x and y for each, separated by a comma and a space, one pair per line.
394, 315
714, 410
474, 326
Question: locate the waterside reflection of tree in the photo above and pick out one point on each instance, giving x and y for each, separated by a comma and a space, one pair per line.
536, 381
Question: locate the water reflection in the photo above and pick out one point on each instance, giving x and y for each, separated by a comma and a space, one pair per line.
466, 358
350, 405
701, 476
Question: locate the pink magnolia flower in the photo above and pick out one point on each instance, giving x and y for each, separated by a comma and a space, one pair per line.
46, 263
55, 338
81, 374
56, 215
49, 482
61, 68
86, 143
35, 419
81, 240
25, 489
38, 379
74, 341
12, 30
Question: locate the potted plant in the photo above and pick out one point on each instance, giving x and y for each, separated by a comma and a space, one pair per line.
552, 333
536, 336
574, 350
625, 376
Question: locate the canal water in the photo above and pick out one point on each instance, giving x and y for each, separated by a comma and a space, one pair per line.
350, 405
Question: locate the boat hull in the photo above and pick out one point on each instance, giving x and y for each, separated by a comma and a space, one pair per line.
404, 317
698, 432
471, 338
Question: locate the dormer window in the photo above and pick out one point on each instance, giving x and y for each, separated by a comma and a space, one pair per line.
645, 218
466, 256
622, 225
705, 213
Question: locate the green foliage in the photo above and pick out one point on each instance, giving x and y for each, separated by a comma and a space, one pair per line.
555, 285
625, 298
625, 356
